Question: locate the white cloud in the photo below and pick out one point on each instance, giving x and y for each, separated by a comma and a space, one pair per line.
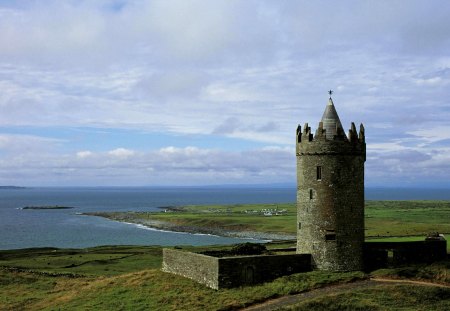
238, 70
386, 147
429, 81
12, 144
432, 134
121, 153
182, 166
84, 154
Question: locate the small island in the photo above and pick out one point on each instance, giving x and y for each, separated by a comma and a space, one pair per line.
11, 188
47, 207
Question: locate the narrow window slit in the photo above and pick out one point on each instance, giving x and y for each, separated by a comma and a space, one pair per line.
319, 173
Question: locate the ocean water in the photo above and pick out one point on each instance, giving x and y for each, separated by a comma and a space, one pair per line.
66, 228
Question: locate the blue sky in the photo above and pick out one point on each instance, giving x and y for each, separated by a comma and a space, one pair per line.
180, 92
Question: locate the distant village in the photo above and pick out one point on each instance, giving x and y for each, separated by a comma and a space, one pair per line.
263, 211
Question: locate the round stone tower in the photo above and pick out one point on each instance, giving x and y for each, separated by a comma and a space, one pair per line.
330, 193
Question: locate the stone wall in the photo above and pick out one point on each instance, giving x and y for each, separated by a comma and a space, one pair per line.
227, 272
248, 270
201, 268
376, 253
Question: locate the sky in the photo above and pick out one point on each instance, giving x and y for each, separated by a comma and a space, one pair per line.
190, 92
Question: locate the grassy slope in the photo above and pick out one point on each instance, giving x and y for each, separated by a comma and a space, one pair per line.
382, 297
108, 280
129, 278
103, 261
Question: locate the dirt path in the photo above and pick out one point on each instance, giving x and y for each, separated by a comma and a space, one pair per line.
334, 289
398, 281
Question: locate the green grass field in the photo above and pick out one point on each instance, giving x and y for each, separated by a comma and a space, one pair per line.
129, 277
383, 219
126, 278
406, 218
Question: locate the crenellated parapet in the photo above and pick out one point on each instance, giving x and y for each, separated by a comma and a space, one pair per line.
340, 144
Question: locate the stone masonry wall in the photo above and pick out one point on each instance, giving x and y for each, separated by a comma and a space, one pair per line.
247, 270
233, 271
375, 253
201, 268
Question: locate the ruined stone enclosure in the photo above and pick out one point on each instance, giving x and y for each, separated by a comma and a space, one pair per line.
330, 193
226, 271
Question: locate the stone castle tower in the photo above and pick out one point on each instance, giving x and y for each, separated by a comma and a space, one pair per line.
330, 193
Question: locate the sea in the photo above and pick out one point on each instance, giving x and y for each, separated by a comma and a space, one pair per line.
68, 228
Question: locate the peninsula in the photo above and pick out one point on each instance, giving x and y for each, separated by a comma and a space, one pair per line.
384, 219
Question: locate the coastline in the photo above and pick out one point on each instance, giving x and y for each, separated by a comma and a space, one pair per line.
171, 227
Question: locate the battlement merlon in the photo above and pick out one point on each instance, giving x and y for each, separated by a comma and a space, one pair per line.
353, 134
362, 136
305, 135
298, 136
